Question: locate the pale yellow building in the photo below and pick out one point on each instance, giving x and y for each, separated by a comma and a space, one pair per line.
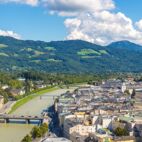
83, 130
83, 124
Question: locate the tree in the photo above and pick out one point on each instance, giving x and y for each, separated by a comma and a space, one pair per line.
5, 95
133, 94
28, 86
127, 92
36, 132
15, 84
43, 128
121, 132
27, 138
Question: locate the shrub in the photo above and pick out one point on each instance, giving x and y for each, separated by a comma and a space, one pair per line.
121, 132
27, 138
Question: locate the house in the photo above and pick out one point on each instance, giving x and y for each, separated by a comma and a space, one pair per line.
40, 86
84, 125
71, 123
17, 92
21, 79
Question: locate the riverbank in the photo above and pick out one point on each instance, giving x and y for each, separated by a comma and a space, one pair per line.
34, 107
29, 98
7, 107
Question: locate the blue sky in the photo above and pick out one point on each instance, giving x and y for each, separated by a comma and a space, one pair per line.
31, 22
132, 8
35, 21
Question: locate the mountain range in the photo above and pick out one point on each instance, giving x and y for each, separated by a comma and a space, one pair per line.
70, 56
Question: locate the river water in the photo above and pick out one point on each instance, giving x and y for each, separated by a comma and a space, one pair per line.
15, 132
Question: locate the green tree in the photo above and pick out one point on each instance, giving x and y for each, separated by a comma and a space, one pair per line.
43, 128
133, 94
28, 86
27, 138
127, 92
36, 132
5, 95
15, 84
121, 132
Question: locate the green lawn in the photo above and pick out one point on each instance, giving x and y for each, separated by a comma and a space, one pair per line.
3, 46
3, 54
54, 60
88, 57
85, 52
50, 48
36, 61
30, 97
103, 51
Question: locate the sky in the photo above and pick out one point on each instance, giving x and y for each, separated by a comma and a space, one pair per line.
96, 21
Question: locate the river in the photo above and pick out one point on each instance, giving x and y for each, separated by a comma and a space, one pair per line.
15, 132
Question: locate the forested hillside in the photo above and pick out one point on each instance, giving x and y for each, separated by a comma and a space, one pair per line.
74, 56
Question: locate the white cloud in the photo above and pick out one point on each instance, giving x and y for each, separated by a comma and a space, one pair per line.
9, 33
90, 20
28, 2
94, 21
73, 7
139, 24
102, 28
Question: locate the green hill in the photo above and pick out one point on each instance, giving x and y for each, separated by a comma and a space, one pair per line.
74, 56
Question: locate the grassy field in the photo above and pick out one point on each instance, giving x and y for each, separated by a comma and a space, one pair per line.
30, 97
3, 46
85, 52
4, 54
54, 60
103, 51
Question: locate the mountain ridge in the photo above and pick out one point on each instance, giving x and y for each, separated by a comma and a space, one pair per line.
70, 56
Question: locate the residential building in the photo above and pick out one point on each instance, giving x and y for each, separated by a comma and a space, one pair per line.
17, 92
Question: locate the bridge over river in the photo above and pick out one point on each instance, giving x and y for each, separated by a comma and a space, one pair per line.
18, 119
11, 132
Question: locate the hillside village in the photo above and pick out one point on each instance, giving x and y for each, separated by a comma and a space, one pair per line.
106, 112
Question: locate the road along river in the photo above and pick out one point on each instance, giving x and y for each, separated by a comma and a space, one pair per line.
15, 132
